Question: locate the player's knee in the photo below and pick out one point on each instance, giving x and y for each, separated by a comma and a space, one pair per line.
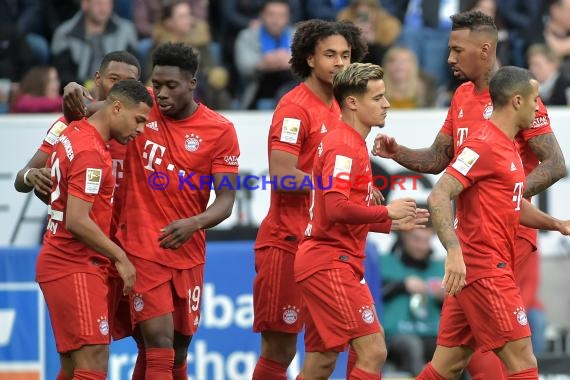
373, 357
92, 357
158, 341
180, 355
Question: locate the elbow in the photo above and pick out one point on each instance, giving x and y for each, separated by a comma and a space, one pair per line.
431, 200
560, 172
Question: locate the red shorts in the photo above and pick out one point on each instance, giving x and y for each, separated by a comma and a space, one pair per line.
340, 309
78, 308
486, 314
277, 301
526, 270
161, 290
119, 309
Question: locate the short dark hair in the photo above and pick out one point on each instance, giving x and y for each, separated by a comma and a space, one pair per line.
474, 21
353, 80
131, 92
310, 32
120, 56
176, 54
507, 82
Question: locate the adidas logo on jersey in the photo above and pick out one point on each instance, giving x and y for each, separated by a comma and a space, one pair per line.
323, 128
460, 113
152, 125
513, 167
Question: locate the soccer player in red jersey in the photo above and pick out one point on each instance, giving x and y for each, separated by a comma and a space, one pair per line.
115, 66
329, 265
483, 308
302, 117
161, 225
73, 263
472, 56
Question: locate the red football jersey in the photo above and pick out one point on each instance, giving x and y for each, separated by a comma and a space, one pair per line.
300, 121
80, 166
468, 108
487, 217
327, 245
183, 155
118, 152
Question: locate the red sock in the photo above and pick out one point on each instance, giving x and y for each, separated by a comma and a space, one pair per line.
526, 374
140, 365
159, 363
180, 372
351, 362
485, 365
266, 369
61, 376
429, 373
85, 374
360, 374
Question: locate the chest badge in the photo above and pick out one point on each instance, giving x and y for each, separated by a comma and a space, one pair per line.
488, 111
192, 142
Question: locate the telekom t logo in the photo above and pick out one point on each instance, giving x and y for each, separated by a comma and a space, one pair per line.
152, 154
461, 135
517, 195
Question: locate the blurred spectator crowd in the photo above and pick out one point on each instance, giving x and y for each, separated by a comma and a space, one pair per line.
244, 45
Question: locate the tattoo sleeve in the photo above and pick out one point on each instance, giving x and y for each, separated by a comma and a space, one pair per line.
551, 168
427, 160
439, 203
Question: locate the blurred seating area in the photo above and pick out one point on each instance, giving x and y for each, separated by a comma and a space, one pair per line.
244, 44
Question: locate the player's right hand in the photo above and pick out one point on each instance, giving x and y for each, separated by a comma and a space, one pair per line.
40, 180
455, 272
402, 208
73, 96
128, 274
384, 146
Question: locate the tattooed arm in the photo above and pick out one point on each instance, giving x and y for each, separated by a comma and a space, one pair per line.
426, 160
552, 166
439, 203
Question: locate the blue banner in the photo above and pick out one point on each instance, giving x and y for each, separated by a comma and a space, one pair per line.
224, 347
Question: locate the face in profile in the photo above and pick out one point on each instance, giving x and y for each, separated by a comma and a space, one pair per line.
373, 105
129, 120
464, 54
529, 106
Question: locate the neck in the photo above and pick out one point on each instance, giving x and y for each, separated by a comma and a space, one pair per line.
482, 82
93, 28
322, 89
350, 118
506, 122
99, 121
188, 111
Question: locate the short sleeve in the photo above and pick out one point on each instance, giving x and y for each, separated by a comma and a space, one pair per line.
289, 128
227, 154
447, 128
540, 125
473, 162
52, 135
86, 174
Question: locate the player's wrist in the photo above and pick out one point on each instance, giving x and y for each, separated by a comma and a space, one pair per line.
26, 180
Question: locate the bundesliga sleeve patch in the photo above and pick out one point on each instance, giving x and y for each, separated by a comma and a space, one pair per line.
290, 130
465, 161
342, 166
55, 132
92, 180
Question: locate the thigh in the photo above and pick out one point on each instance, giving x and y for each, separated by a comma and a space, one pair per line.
495, 312
340, 307
277, 301
153, 294
188, 287
526, 271
81, 298
119, 309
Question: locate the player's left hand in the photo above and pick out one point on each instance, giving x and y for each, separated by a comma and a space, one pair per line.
377, 197
73, 95
410, 223
177, 233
